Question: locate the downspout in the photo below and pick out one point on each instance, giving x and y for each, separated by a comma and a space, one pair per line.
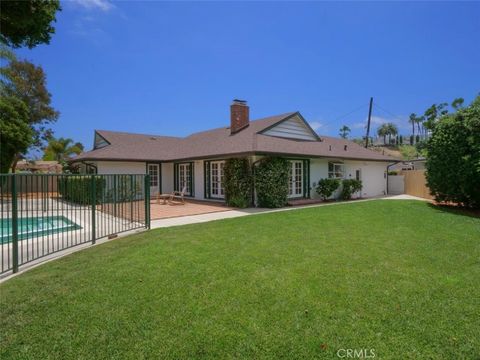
388, 170
92, 165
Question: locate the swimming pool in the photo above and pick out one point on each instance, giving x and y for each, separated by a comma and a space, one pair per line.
31, 227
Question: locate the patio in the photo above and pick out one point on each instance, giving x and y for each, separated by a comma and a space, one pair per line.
158, 210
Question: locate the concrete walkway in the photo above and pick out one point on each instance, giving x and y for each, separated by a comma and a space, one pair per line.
194, 219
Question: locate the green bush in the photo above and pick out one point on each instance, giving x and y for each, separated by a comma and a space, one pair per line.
271, 182
326, 187
238, 182
126, 188
453, 162
349, 187
78, 189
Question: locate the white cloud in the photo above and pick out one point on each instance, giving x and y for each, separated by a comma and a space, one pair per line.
379, 120
315, 125
103, 5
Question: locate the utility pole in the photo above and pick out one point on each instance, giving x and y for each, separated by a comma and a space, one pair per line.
368, 123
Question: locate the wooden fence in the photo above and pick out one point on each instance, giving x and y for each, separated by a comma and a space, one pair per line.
416, 184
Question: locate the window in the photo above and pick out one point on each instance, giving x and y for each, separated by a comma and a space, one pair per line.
295, 179
153, 172
216, 179
358, 174
336, 170
184, 178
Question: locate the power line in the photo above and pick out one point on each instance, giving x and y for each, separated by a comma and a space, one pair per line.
345, 115
389, 112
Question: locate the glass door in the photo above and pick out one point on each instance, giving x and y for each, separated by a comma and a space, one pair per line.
216, 179
154, 172
295, 179
185, 178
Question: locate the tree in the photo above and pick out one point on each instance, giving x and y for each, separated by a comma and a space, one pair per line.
392, 130
61, 149
383, 132
27, 22
344, 132
413, 120
26, 82
453, 162
457, 103
419, 120
15, 134
433, 113
408, 152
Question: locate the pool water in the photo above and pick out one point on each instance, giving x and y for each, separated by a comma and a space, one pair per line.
31, 227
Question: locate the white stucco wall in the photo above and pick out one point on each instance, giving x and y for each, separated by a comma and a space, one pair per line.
120, 167
372, 175
396, 184
199, 180
167, 178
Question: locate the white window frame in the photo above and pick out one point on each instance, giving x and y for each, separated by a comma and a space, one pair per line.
217, 174
338, 170
295, 179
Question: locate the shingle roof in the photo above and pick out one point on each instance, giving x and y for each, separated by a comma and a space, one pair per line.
219, 142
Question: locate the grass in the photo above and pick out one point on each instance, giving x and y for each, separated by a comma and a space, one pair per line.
399, 277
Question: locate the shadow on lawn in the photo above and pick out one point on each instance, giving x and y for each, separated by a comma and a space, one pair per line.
457, 210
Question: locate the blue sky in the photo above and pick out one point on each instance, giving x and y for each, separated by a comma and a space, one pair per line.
172, 68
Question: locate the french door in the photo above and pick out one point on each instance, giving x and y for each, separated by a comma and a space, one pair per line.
216, 179
185, 178
295, 179
154, 172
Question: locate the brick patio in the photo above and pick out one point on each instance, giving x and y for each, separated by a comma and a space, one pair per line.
191, 207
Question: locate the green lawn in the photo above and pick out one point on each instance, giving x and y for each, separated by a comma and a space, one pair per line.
399, 277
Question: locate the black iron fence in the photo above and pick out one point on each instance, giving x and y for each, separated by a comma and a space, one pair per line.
44, 214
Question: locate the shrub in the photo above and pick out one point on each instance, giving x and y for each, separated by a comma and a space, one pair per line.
271, 182
326, 187
238, 182
453, 162
393, 172
350, 186
78, 189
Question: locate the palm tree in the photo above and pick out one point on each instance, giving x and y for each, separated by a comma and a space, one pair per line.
344, 131
383, 131
61, 149
413, 120
392, 130
419, 120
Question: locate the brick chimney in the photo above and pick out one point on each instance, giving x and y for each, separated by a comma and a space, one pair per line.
239, 116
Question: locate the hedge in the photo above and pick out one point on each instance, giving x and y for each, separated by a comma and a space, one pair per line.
271, 182
238, 182
78, 189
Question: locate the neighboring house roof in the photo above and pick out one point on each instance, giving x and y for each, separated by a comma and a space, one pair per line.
39, 165
220, 142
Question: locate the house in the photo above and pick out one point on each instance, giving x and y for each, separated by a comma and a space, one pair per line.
196, 161
39, 166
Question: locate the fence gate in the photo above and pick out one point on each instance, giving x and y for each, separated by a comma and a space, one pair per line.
416, 184
44, 214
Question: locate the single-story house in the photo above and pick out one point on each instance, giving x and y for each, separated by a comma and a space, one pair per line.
196, 161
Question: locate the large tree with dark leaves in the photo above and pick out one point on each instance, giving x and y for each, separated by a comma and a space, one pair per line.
26, 82
27, 22
453, 162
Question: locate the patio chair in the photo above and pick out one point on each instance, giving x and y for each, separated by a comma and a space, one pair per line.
174, 197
